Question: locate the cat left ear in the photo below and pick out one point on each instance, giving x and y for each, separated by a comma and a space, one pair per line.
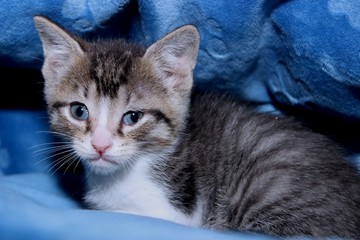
174, 57
59, 47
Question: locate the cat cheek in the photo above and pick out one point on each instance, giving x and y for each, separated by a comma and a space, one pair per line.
130, 132
160, 132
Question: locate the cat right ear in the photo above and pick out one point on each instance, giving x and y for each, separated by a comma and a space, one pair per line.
59, 47
174, 57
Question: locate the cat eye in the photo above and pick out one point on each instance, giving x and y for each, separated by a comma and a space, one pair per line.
132, 117
79, 111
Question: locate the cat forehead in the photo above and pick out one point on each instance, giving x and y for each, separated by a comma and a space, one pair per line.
112, 65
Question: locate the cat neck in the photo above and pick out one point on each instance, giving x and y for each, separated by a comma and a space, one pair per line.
125, 191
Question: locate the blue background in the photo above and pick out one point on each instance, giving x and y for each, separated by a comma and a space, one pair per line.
299, 57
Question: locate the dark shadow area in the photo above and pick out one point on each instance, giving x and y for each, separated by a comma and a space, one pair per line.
345, 132
73, 185
118, 25
21, 89
69, 173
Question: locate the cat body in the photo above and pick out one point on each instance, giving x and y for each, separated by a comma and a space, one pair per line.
261, 185
152, 148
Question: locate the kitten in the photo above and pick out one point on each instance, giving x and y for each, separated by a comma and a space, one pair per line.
149, 148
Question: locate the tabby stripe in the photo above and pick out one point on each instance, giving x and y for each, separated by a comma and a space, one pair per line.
125, 71
249, 200
160, 116
57, 105
108, 82
88, 126
86, 92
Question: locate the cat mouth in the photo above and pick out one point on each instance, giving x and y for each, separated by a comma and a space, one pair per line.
102, 165
102, 159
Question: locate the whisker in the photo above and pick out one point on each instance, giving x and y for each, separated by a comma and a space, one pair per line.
50, 149
72, 161
62, 161
56, 133
44, 117
39, 59
78, 161
54, 165
50, 143
54, 155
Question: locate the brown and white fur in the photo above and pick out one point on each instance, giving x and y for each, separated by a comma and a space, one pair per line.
151, 148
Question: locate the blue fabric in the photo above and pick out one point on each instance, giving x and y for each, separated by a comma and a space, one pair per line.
300, 54
23, 133
319, 61
32, 206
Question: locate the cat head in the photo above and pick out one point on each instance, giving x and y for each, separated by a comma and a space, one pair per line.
117, 102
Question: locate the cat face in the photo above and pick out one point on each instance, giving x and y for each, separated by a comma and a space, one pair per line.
117, 103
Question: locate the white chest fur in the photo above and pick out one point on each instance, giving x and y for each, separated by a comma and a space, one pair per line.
135, 193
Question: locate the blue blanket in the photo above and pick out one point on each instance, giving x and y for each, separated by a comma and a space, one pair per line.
301, 56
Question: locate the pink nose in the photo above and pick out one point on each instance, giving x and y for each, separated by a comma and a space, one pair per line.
101, 149
101, 140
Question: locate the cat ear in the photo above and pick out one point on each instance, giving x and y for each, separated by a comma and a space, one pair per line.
59, 47
174, 57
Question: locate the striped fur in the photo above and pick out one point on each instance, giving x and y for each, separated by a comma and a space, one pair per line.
211, 161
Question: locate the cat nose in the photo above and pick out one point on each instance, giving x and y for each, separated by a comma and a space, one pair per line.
101, 148
101, 140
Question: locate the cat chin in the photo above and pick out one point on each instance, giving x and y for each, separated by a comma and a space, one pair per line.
101, 166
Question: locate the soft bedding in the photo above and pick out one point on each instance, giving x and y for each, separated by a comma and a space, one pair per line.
300, 57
